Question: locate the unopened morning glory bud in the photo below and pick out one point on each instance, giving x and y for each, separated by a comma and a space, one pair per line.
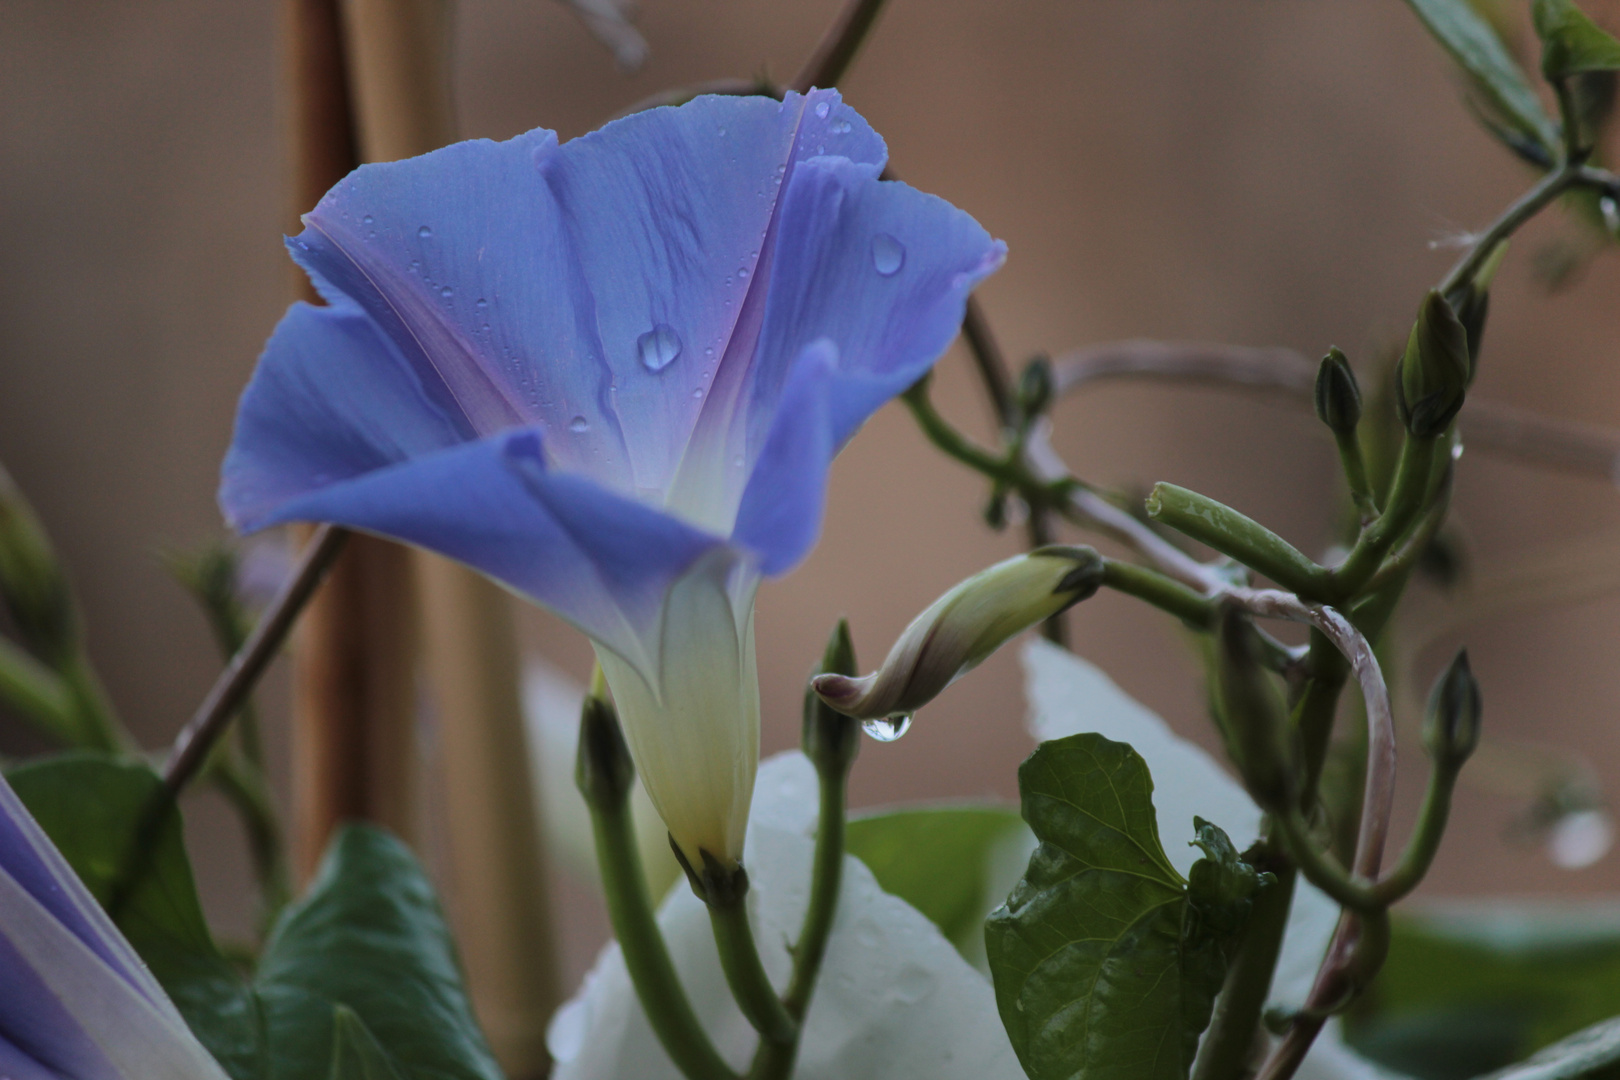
1260, 740
1035, 387
1432, 376
963, 627
1472, 300
1451, 725
603, 771
1338, 397
830, 738
32, 584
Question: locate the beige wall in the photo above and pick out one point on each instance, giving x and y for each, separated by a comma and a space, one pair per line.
1261, 171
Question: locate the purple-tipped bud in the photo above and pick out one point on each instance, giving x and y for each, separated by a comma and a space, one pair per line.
963, 627
1451, 725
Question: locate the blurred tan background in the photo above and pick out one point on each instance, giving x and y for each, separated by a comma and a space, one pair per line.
1257, 171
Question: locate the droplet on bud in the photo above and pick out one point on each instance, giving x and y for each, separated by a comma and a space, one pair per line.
887, 728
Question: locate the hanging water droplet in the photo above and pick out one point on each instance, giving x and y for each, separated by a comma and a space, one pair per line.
447, 292
424, 232
579, 425
658, 347
888, 254
822, 109
841, 127
887, 728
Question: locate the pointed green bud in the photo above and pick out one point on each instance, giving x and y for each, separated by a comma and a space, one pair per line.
1451, 725
1432, 376
33, 584
1035, 387
603, 770
830, 739
1254, 724
1338, 396
963, 627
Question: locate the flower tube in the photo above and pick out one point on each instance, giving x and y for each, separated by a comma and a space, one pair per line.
76, 1002
611, 374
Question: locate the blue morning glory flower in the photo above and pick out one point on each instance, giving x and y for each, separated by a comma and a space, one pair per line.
76, 1003
611, 374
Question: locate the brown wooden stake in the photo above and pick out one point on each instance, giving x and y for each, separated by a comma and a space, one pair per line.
353, 699
400, 64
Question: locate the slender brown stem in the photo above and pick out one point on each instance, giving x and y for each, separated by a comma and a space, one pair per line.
1563, 445
230, 690
838, 46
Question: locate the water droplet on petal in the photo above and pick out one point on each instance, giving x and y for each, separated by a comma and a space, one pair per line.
742, 274
721, 132
842, 127
888, 254
822, 108
482, 304
579, 425
367, 220
737, 461
658, 347
887, 728
913, 985
424, 232
447, 292
698, 392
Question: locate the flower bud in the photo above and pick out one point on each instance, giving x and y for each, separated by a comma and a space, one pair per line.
963, 627
1338, 397
1433, 374
1451, 725
830, 739
32, 583
1035, 387
1259, 738
1472, 301
603, 771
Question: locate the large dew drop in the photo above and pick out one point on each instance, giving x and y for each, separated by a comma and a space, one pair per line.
887, 728
888, 254
658, 347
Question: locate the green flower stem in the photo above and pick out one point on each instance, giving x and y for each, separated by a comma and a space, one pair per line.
244, 787
1400, 564
954, 443
1406, 501
1355, 474
95, 724
1425, 842
35, 692
646, 957
750, 986
774, 1060
1319, 867
1527, 206
1161, 591
1229, 1044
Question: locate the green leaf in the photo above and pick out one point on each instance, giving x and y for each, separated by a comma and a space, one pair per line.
1466, 990
1592, 1054
369, 936
1495, 76
940, 860
1570, 42
355, 1053
100, 812
1105, 964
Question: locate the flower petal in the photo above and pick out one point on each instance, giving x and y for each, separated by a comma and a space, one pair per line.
587, 288
868, 289
77, 1002
895, 1000
599, 560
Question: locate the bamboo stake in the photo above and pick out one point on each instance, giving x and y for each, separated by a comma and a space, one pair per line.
401, 67
353, 701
